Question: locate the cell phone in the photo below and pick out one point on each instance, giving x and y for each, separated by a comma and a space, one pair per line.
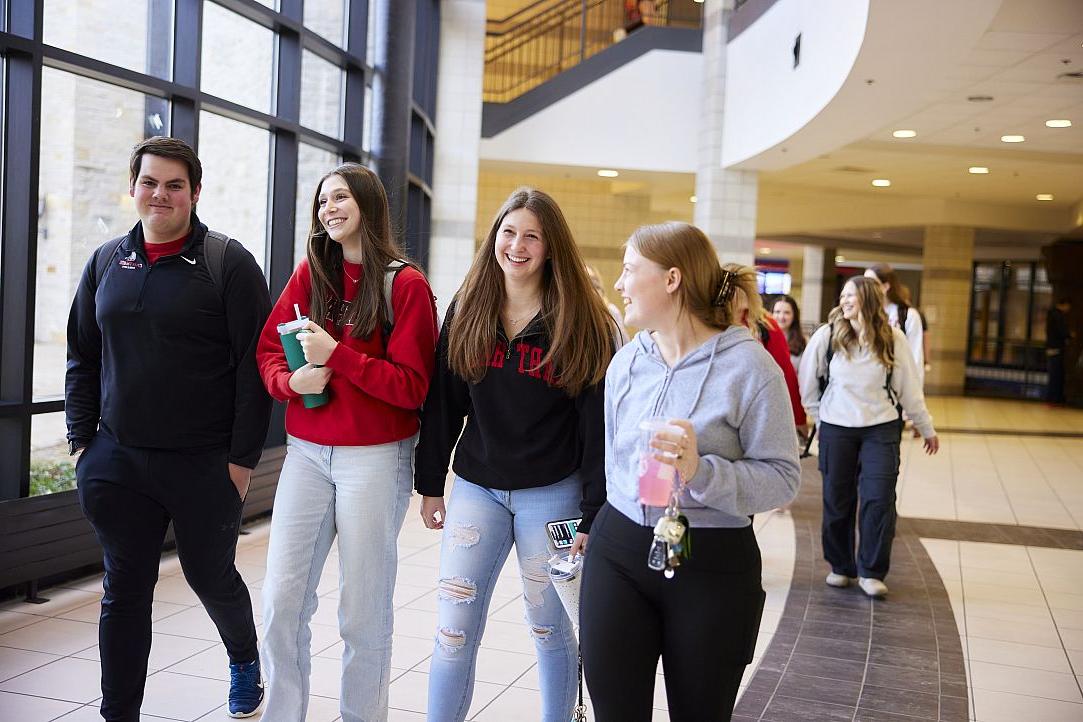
562, 533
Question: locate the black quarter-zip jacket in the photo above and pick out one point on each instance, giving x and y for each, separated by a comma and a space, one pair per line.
521, 431
162, 358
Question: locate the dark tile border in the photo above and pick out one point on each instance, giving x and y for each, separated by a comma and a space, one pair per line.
1013, 432
1033, 536
838, 655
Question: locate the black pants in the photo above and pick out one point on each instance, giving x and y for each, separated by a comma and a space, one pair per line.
859, 464
703, 622
130, 495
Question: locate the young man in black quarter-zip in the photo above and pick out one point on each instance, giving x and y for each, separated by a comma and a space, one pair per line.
165, 405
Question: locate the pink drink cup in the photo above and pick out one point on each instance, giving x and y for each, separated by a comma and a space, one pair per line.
656, 478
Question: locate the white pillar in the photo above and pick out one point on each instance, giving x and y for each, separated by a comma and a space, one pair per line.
458, 136
725, 200
812, 285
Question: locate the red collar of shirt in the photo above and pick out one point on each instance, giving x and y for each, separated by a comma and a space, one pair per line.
155, 251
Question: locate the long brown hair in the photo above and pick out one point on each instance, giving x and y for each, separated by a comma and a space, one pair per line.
876, 332
378, 248
683, 246
579, 327
886, 274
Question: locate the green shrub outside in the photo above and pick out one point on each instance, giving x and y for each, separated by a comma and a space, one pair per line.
49, 477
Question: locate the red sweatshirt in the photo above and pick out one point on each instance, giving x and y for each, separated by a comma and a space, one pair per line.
779, 349
374, 395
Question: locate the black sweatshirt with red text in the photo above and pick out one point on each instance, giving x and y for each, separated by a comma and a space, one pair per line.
522, 431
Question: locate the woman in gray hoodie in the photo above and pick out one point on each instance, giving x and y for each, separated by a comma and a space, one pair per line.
735, 455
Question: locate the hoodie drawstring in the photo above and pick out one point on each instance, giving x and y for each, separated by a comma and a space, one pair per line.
703, 381
628, 384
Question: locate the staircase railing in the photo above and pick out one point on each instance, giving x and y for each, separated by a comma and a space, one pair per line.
547, 37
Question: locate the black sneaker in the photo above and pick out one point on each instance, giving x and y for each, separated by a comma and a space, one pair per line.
245, 689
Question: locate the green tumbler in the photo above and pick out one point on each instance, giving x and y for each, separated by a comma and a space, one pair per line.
295, 356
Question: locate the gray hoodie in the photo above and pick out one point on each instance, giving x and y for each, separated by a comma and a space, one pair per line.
733, 392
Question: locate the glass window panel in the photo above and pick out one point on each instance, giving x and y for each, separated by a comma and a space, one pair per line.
1043, 299
370, 39
236, 161
83, 198
366, 121
312, 164
321, 95
95, 29
327, 18
985, 313
1016, 312
51, 469
237, 58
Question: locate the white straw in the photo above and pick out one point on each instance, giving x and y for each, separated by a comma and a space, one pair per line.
297, 310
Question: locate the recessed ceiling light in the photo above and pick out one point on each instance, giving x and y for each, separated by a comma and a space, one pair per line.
881, 182
1059, 123
840, 259
605, 173
1012, 138
979, 98
765, 251
978, 169
1044, 196
692, 199
905, 133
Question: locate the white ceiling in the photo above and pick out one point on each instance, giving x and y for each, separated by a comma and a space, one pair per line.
1017, 62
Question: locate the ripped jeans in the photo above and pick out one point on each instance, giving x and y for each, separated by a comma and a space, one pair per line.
480, 528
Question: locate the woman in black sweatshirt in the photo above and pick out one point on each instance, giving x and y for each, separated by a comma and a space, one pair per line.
522, 358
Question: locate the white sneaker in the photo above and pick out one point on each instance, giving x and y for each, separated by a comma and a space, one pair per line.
872, 587
839, 580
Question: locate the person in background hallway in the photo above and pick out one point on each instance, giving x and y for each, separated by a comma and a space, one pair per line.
165, 404
700, 368
1057, 335
763, 327
522, 356
868, 378
349, 463
787, 315
596, 284
898, 314
904, 291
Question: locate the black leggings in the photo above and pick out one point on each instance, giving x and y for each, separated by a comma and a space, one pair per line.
703, 622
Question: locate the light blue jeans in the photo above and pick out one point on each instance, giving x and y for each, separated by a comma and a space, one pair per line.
481, 526
361, 494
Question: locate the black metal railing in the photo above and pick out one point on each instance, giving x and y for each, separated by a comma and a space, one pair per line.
547, 37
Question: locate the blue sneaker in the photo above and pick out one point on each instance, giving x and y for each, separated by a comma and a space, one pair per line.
245, 689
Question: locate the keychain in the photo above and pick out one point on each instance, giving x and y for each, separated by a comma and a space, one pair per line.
672, 539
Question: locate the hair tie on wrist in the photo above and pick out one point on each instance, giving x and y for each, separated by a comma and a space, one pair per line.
726, 288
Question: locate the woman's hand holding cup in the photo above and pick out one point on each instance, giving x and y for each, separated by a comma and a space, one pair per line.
310, 379
678, 448
317, 344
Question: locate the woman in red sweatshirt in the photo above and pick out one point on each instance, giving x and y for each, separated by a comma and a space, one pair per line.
348, 470
774, 340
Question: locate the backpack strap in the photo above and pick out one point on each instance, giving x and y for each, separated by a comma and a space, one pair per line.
105, 257
828, 355
214, 255
390, 274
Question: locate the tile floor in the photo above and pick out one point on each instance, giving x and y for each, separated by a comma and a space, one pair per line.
1018, 609
41, 644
